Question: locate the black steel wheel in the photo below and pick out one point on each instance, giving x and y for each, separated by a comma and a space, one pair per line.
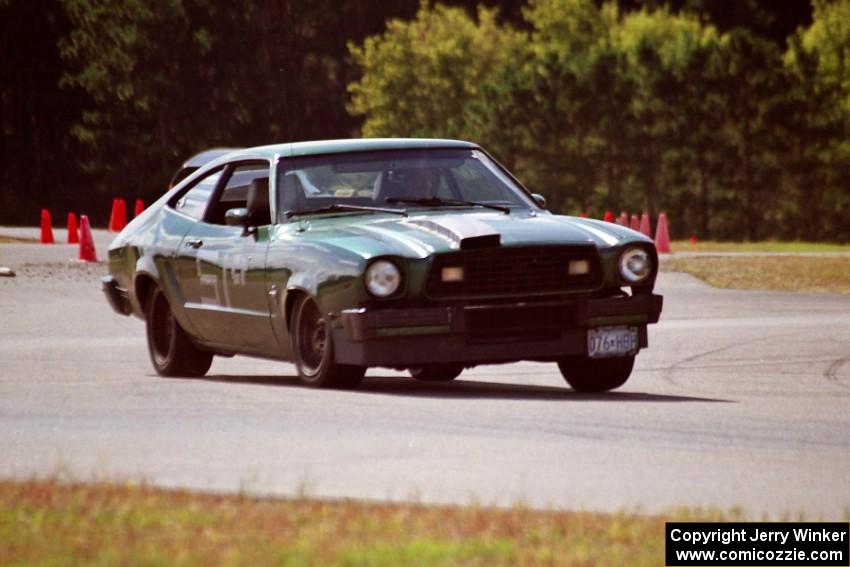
171, 350
312, 350
436, 372
585, 374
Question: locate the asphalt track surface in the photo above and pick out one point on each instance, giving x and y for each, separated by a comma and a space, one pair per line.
741, 401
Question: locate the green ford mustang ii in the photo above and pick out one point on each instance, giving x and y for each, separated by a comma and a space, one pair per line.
423, 255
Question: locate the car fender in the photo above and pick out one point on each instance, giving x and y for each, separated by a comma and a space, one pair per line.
146, 271
299, 283
303, 281
319, 269
317, 288
143, 279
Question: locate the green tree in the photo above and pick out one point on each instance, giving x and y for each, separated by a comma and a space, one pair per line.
829, 38
37, 152
755, 88
648, 109
569, 43
418, 76
701, 151
172, 77
818, 59
129, 53
659, 48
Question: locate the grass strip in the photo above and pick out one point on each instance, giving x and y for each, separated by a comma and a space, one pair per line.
16, 240
829, 274
50, 523
764, 246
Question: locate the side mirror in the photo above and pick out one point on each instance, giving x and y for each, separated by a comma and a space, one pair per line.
539, 199
236, 217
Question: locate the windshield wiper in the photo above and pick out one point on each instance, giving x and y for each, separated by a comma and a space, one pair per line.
438, 202
341, 207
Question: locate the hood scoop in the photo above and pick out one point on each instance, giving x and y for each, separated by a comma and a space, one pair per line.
465, 233
483, 241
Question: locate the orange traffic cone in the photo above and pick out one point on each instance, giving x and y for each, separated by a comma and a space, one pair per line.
635, 224
87, 251
693, 240
645, 228
46, 227
118, 218
624, 219
140, 207
73, 233
609, 216
111, 222
662, 236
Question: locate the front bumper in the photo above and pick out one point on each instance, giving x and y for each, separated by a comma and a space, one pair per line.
118, 298
477, 334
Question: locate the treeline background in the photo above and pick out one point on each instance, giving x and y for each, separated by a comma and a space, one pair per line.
733, 116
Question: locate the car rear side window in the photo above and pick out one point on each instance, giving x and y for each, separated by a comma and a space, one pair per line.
194, 202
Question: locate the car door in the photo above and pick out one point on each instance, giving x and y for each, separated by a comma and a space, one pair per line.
177, 268
222, 270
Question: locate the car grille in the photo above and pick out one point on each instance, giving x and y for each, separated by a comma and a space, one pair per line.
514, 271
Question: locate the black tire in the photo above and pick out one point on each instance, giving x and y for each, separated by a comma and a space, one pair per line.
435, 372
171, 350
313, 353
585, 374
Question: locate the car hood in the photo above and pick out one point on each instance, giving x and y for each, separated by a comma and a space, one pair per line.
423, 234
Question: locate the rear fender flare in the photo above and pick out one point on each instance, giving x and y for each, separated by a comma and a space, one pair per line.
143, 284
147, 275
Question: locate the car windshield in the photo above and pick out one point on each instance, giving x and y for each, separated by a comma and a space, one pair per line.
399, 179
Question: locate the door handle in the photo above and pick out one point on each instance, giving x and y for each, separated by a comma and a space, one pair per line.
274, 293
274, 298
196, 243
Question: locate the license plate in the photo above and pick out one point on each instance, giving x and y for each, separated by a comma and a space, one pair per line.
605, 342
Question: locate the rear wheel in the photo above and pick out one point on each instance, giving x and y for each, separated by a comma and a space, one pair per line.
171, 350
436, 372
312, 350
585, 374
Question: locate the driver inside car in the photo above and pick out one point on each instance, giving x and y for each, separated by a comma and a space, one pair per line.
420, 183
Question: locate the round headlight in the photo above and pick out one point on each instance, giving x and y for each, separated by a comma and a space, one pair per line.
635, 265
382, 278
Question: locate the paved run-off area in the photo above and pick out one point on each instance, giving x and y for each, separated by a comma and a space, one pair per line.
742, 400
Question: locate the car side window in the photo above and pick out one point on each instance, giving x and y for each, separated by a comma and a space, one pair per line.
234, 195
194, 201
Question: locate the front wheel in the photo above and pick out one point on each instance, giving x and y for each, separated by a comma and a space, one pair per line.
312, 350
171, 350
585, 374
